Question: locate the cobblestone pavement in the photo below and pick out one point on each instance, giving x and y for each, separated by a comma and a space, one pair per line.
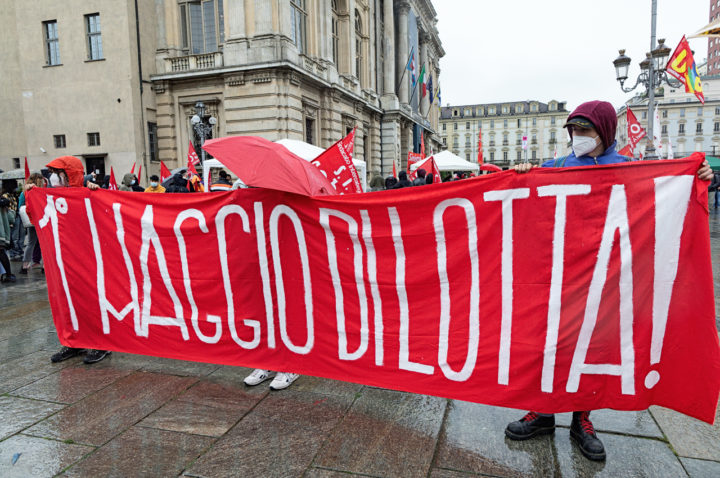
133, 415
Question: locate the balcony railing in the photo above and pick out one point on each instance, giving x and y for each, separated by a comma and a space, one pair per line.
204, 61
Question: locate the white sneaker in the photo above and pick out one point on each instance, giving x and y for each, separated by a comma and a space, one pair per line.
283, 380
258, 376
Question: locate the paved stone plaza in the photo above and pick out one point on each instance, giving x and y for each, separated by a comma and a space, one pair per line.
142, 416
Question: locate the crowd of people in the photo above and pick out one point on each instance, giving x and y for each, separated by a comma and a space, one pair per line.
422, 178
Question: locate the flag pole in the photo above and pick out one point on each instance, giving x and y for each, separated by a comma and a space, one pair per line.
412, 50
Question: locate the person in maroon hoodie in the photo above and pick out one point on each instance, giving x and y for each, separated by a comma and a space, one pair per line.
67, 171
591, 127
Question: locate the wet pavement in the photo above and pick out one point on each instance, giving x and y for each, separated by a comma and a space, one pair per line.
133, 415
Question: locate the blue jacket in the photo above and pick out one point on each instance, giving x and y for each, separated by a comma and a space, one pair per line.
610, 156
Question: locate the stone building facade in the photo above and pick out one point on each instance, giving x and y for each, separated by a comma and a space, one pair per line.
298, 69
301, 69
70, 82
503, 127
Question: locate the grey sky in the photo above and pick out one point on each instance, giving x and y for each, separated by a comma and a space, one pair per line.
507, 50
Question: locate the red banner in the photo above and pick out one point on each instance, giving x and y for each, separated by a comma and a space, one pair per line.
337, 165
192, 157
555, 290
413, 158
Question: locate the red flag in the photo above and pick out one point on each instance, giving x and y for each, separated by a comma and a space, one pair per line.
412, 159
626, 151
112, 185
430, 167
164, 172
27, 170
480, 151
394, 169
422, 144
192, 155
634, 130
191, 168
336, 164
132, 170
139, 174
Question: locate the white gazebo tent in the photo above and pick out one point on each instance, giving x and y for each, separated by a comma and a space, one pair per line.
447, 161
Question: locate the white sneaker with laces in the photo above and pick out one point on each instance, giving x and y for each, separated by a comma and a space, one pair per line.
258, 376
283, 380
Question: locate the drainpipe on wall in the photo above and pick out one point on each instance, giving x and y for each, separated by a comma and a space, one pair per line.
140, 79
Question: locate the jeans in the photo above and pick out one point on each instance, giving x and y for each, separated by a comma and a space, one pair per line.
30, 248
17, 236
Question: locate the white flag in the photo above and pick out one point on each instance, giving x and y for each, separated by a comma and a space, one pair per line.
670, 154
657, 136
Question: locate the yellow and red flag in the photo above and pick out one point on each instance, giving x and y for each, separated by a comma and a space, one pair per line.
682, 67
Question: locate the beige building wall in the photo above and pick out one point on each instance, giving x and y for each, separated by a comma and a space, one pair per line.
503, 126
78, 96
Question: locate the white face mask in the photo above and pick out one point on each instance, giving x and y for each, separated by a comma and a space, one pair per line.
56, 180
583, 145
153, 184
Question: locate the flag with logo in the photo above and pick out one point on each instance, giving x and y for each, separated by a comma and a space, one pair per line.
657, 139
192, 156
682, 67
524, 142
164, 172
112, 183
337, 165
626, 151
411, 66
634, 130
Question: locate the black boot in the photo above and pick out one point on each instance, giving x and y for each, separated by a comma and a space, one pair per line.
530, 425
583, 433
94, 356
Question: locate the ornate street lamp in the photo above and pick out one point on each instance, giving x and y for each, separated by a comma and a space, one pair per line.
652, 75
202, 129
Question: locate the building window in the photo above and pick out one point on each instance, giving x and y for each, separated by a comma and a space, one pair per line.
700, 111
682, 112
717, 111
202, 25
644, 115
59, 140
454, 126
52, 43
309, 130
16, 163
335, 34
534, 154
681, 128
552, 121
492, 123
444, 126
492, 155
153, 141
93, 139
445, 141
519, 122
519, 155
467, 125
298, 16
716, 128
534, 121
664, 114
504, 123
505, 139
698, 128
94, 40
505, 157
664, 129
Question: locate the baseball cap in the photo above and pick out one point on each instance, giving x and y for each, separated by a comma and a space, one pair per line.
580, 121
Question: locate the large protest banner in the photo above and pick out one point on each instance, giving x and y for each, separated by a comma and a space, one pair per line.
557, 290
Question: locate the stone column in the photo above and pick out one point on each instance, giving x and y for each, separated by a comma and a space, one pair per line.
403, 8
389, 49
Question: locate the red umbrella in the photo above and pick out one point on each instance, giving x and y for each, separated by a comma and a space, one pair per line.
264, 164
490, 167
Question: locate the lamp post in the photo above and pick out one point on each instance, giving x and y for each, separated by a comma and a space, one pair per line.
202, 129
652, 75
